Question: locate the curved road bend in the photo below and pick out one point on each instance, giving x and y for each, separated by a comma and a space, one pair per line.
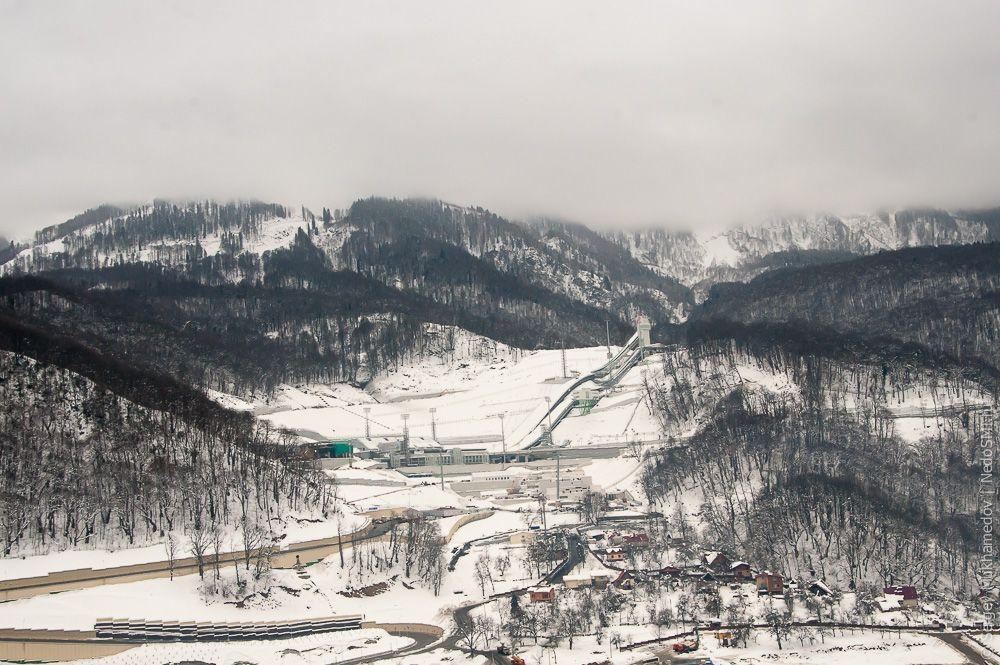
575, 555
421, 642
970, 653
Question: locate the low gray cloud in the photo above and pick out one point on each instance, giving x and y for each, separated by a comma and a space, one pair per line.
673, 113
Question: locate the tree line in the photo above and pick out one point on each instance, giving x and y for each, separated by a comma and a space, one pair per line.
817, 482
82, 467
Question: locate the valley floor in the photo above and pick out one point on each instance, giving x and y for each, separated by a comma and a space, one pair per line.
468, 395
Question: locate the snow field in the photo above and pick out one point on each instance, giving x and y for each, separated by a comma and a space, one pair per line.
310, 650
291, 529
181, 599
435, 657
468, 401
888, 648
315, 594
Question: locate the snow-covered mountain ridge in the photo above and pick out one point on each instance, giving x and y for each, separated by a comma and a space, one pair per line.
656, 272
411, 245
699, 260
146, 234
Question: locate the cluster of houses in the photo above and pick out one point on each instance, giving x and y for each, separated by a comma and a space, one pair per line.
596, 579
613, 547
712, 569
716, 568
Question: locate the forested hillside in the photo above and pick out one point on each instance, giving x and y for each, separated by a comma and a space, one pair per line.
430, 247
421, 246
944, 299
300, 321
83, 467
839, 411
242, 297
822, 466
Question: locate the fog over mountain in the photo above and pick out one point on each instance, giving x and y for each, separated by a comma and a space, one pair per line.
661, 114
469, 331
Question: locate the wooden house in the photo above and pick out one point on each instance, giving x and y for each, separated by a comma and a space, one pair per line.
769, 583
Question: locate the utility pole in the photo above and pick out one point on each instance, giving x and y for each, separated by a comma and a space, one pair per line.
607, 326
368, 431
406, 438
503, 442
564, 359
558, 478
434, 433
441, 465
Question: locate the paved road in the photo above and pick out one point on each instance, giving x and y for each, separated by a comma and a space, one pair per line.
955, 641
13, 589
421, 642
463, 549
576, 554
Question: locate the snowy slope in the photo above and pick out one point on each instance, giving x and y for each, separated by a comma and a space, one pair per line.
733, 254
470, 389
469, 395
66, 407
267, 235
313, 649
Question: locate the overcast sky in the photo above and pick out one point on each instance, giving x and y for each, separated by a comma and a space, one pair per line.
691, 114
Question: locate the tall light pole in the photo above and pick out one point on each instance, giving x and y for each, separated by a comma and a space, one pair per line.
368, 431
434, 438
558, 479
406, 437
541, 510
548, 415
503, 443
607, 325
441, 465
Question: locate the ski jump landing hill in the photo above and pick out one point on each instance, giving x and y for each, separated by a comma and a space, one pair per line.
580, 395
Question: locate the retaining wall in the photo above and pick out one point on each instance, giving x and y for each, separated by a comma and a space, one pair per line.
466, 519
305, 552
419, 628
55, 645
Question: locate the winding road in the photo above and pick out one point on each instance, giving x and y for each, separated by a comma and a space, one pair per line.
421, 642
970, 653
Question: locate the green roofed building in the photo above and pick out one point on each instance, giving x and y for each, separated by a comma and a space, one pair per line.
341, 449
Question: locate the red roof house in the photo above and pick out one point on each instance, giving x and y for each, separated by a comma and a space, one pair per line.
907, 595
